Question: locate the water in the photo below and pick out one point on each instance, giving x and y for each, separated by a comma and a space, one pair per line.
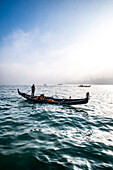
54, 137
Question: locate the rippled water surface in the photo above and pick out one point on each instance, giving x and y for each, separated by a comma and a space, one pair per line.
48, 137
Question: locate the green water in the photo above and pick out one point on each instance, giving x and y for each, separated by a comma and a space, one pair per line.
48, 137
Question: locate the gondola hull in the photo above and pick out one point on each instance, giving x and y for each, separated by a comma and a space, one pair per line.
50, 100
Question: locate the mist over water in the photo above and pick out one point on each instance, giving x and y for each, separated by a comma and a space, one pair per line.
44, 136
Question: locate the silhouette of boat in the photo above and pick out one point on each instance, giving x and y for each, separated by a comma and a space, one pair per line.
51, 100
81, 85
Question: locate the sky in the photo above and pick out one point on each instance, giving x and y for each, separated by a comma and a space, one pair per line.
56, 41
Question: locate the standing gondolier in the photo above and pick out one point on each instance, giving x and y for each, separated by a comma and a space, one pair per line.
32, 90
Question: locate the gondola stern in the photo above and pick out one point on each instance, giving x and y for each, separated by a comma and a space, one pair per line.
87, 97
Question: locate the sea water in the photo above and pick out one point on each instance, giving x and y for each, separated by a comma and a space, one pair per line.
53, 137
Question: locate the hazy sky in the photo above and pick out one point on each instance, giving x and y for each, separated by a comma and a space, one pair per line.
56, 41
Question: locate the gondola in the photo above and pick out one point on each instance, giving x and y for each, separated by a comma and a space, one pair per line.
51, 100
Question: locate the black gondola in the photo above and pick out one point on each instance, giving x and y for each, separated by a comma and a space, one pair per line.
51, 100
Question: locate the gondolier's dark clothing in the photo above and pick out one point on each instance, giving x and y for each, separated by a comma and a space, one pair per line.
33, 90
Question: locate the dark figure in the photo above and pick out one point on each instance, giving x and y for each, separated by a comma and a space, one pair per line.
32, 90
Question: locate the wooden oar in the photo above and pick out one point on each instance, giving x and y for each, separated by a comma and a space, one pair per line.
28, 91
21, 96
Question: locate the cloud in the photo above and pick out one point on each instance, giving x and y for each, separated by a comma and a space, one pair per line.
35, 57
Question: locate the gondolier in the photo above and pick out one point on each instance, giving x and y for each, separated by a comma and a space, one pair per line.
33, 90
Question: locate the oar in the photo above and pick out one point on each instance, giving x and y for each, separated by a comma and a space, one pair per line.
21, 96
28, 91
